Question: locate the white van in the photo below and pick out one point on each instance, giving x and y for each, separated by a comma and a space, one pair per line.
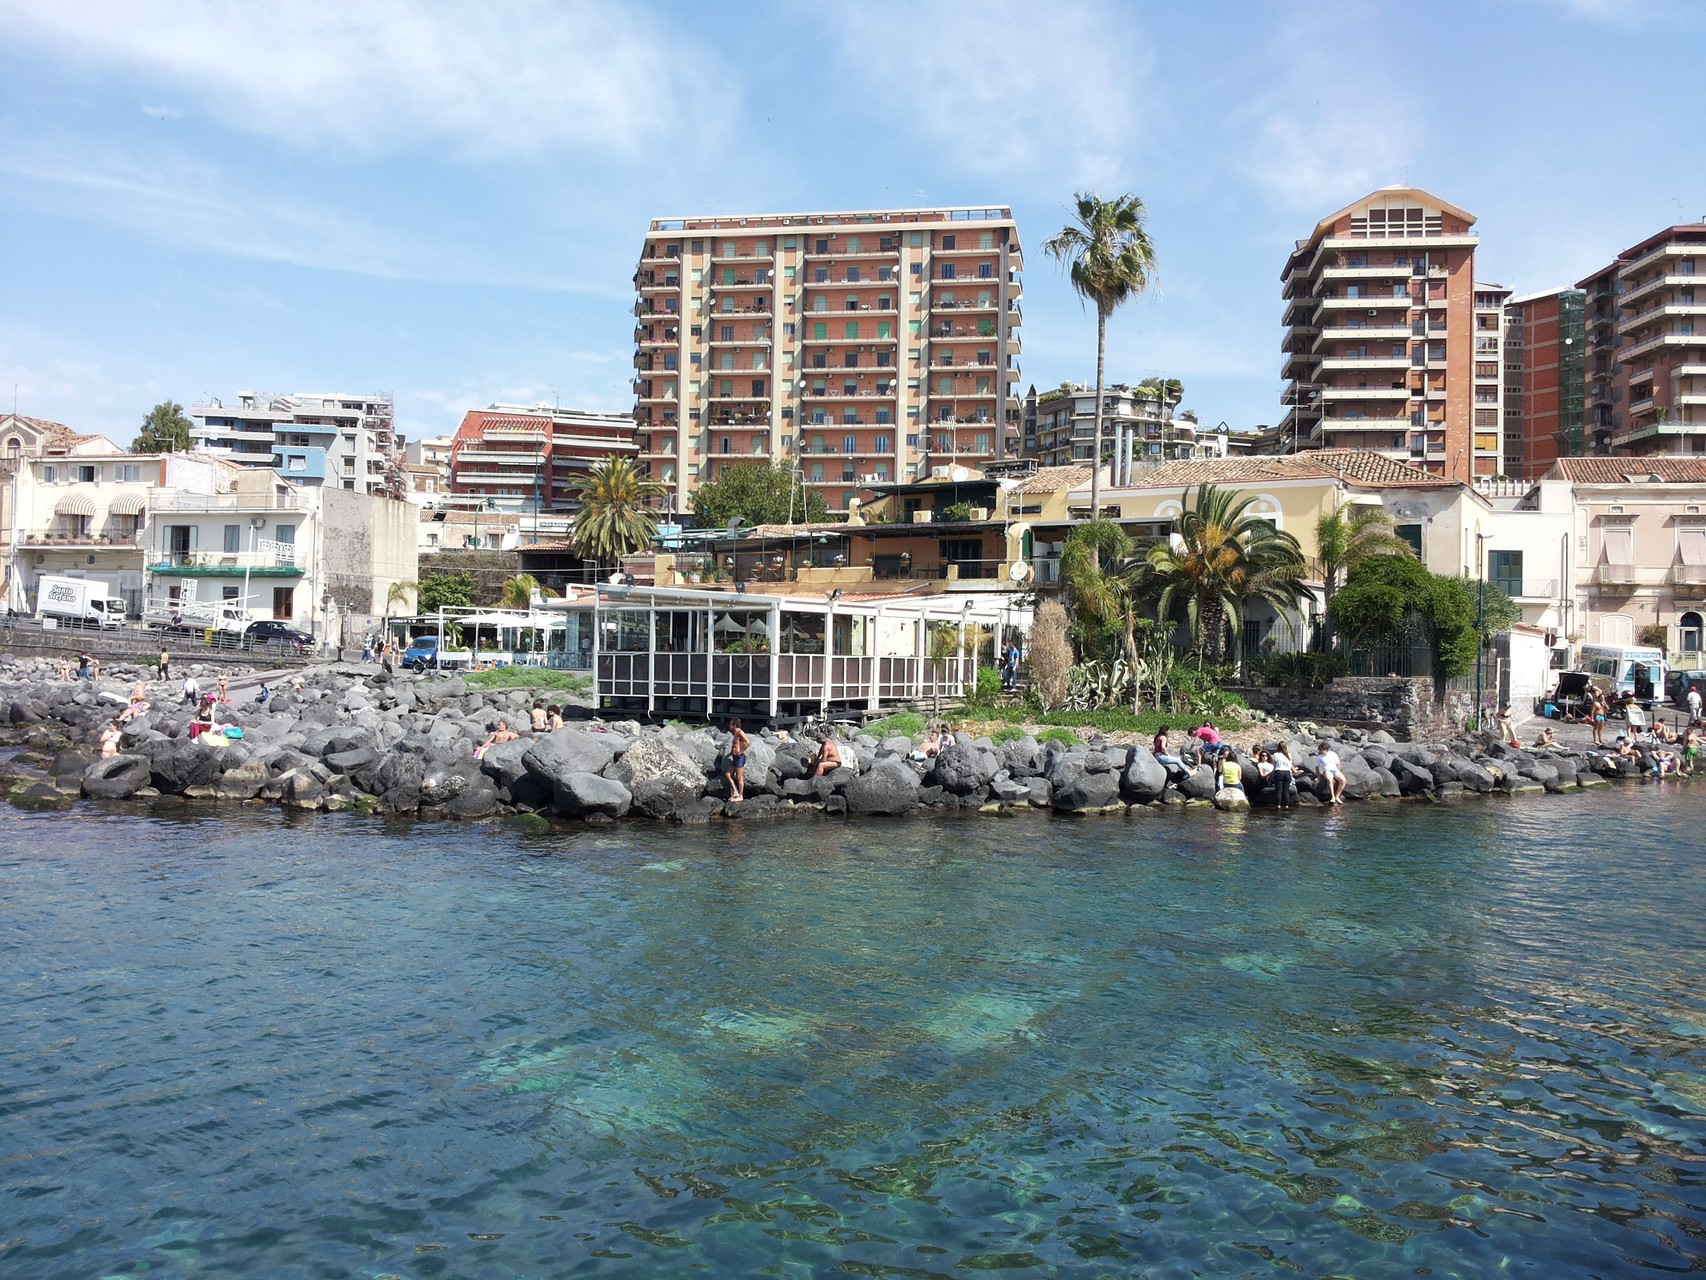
1626, 668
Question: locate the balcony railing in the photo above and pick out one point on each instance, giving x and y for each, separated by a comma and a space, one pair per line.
1688, 575
1619, 575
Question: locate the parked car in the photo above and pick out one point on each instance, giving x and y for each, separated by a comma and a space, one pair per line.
279, 637
1677, 682
421, 653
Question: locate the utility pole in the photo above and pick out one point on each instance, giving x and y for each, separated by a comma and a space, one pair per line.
1480, 625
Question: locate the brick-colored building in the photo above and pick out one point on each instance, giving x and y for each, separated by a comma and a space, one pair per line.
531, 458
858, 348
1384, 336
1646, 341
1545, 355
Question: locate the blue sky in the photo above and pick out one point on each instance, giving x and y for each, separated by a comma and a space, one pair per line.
446, 201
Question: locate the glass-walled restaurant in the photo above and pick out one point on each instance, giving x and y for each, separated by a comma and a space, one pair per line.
681, 651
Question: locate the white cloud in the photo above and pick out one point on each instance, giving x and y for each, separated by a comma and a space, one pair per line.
495, 78
1001, 86
1330, 128
163, 113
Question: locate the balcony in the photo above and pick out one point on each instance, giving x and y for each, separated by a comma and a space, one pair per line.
876, 251
1661, 311
225, 564
1670, 249
1333, 303
654, 287
1619, 575
862, 308
747, 256
1362, 333
1388, 271
1527, 590
1365, 393
177, 500
963, 306
1397, 422
1353, 363
1663, 281
748, 340
1653, 343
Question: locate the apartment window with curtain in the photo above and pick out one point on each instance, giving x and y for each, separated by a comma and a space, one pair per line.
1504, 571
1619, 542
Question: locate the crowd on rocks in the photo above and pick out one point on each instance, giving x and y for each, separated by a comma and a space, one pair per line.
428, 744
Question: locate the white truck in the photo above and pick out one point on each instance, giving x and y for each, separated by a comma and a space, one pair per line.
229, 620
78, 602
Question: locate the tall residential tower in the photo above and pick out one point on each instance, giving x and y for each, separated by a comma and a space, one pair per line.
1384, 336
854, 348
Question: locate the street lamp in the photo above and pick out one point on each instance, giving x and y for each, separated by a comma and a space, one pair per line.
1480, 623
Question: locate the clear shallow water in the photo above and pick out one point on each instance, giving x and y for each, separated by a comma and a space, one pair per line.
1470, 1039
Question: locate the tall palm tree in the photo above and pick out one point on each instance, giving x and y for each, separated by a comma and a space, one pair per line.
518, 592
1348, 535
613, 519
1220, 560
1109, 259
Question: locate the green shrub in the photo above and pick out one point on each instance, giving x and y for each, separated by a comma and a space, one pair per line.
909, 723
1063, 736
1007, 733
542, 678
988, 689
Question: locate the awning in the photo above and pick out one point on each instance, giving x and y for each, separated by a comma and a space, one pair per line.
1691, 541
130, 503
75, 504
1619, 545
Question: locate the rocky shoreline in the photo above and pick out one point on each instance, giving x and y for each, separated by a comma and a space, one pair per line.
363, 740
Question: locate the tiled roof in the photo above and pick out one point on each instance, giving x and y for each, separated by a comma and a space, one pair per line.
1054, 479
1627, 470
1351, 466
54, 435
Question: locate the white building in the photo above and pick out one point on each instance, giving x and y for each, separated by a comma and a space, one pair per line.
339, 441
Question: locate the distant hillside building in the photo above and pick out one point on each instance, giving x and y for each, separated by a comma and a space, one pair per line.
344, 441
531, 458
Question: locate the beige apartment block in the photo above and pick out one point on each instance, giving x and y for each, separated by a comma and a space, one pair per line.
1646, 341
858, 349
1384, 337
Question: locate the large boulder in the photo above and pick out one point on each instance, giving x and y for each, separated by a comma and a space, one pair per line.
505, 762
179, 764
963, 769
245, 781
117, 777
1361, 782
398, 782
443, 779
1078, 784
890, 787
1022, 757
1200, 784
1231, 798
1144, 779
660, 776
566, 751
478, 799
578, 794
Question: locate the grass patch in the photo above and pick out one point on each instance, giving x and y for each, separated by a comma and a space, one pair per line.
909, 723
1008, 733
1058, 734
528, 678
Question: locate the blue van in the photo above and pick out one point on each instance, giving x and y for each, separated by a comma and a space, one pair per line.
421, 653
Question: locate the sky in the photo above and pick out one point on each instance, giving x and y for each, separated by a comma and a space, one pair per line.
446, 202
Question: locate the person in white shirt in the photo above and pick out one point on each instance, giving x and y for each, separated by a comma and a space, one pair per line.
1280, 774
1333, 771
1694, 702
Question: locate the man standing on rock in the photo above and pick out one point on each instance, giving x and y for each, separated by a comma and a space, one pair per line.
165, 665
735, 774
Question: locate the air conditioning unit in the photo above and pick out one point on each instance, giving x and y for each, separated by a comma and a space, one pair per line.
980, 513
920, 517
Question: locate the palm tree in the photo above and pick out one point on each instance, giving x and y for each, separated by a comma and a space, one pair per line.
518, 592
1345, 537
1109, 260
398, 594
613, 519
1220, 560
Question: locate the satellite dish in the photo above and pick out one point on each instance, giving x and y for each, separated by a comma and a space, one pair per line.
1019, 571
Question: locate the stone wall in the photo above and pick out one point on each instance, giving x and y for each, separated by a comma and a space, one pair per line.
1405, 708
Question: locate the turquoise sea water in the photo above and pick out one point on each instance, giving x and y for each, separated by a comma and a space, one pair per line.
1461, 1041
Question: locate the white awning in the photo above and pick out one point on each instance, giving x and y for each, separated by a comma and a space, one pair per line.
1691, 541
133, 502
75, 503
1619, 544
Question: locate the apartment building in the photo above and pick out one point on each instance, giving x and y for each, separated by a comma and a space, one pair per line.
1139, 426
22, 438
1382, 340
1646, 346
1545, 356
531, 457
344, 441
859, 348
1490, 375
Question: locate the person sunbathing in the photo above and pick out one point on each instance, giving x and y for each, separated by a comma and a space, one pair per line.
828, 758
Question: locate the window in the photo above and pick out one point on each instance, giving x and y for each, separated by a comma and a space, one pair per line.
820, 330
849, 444
881, 444
285, 533
986, 270
233, 538
820, 275
850, 329
948, 241
1692, 631
726, 360
1504, 571
947, 272
88, 475
1412, 534
1619, 540
852, 275
131, 472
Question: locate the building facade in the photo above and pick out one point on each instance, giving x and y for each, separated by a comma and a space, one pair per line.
80, 514
341, 441
1139, 426
531, 458
1545, 359
856, 348
1646, 346
22, 438
1382, 336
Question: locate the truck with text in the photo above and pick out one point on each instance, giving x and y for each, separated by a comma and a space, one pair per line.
78, 602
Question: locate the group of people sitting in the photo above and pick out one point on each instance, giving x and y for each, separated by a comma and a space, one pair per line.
1204, 745
938, 737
